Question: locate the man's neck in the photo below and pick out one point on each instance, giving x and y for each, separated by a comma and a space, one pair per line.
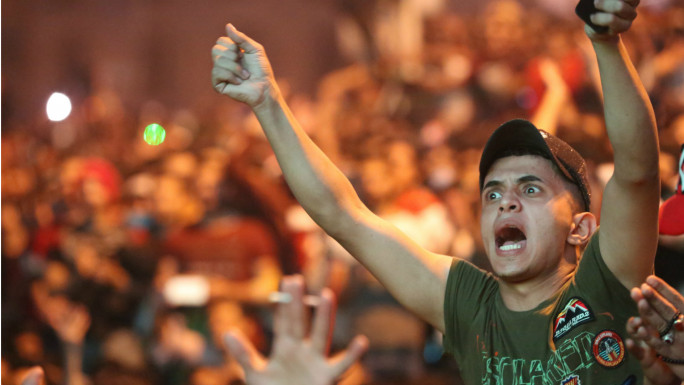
527, 295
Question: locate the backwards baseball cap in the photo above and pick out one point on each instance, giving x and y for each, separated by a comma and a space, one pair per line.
522, 136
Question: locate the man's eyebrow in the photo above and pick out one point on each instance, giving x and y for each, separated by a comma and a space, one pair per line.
491, 183
522, 179
528, 178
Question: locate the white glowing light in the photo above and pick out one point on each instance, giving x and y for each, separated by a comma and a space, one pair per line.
186, 290
58, 107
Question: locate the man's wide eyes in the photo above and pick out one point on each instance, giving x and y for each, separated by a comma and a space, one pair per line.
492, 195
532, 190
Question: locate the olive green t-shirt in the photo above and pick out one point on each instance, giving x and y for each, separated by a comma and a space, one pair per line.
574, 338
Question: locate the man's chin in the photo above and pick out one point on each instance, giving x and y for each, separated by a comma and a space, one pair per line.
510, 276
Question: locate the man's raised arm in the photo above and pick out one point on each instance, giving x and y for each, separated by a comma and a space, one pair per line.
629, 212
414, 276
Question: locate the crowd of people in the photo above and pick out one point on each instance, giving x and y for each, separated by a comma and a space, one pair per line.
125, 262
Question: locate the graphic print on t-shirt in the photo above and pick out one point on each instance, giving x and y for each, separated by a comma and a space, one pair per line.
576, 312
573, 356
608, 349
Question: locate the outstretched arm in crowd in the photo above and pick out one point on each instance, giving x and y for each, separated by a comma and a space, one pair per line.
71, 322
555, 98
629, 212
297, 357
416, 277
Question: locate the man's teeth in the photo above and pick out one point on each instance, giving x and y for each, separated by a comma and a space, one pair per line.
512, 246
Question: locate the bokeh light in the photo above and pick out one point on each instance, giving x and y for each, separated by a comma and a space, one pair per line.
154, 134
58, 107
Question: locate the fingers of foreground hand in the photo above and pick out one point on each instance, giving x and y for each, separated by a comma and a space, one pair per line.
289, 316
667, 291
655, 370
244, 352
221, 78
656, 303
621, 9
640, 352
322, 326
227, 55
345, 359
641, 332
295, 309
633, 324
227, 68
652, 308
636, 294
242, 40
226, 45
615, 23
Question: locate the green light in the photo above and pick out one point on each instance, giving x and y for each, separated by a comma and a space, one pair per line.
154, 134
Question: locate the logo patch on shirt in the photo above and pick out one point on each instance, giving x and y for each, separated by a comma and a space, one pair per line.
608, 349
576, 312
572, 380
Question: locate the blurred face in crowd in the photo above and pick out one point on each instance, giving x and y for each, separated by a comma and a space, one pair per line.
377, 180
29, 346
182, 164
69, 176
208, 180
503, 26
403, 160
57, 276
95, 193
87, 259
175, 204
458, 111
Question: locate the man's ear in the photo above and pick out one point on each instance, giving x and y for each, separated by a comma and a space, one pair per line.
583, 227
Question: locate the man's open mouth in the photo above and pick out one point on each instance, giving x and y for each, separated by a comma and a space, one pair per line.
510, 238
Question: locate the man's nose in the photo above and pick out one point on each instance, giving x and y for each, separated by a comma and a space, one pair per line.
509, 203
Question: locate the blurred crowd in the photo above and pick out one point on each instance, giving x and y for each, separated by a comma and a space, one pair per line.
124, 262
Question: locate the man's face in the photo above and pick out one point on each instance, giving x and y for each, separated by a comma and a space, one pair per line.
527, 214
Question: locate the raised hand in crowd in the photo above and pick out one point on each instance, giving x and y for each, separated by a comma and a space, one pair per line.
616, 16
657, 334
298, 356
71, 322
241, 69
